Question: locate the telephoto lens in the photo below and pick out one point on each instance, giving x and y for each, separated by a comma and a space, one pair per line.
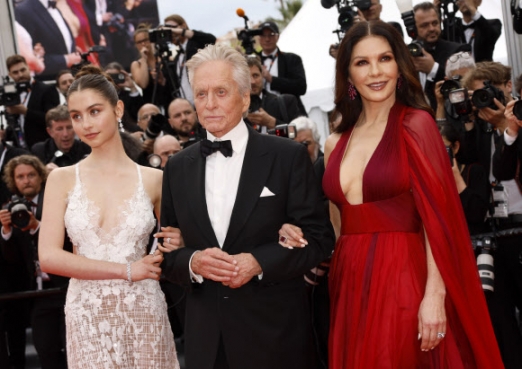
486, 270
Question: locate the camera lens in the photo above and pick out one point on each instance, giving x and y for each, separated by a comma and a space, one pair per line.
482, 98
517, 109
448, 86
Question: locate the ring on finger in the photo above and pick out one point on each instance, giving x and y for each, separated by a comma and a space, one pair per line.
283, 239
441, 335
168, 240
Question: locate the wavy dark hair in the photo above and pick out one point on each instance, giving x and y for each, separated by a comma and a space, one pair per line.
410, 93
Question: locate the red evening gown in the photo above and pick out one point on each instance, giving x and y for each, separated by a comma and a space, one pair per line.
378, 272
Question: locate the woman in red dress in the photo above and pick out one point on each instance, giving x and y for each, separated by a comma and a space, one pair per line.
404, 286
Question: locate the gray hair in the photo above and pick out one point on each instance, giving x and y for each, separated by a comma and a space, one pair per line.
461, 62
240, 68
302, 123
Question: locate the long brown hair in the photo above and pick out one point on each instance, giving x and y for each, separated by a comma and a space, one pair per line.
410, 93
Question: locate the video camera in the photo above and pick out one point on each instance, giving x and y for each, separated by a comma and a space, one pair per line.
347, 12
246, 36
162, 38
19, 208
284, 130
10, 92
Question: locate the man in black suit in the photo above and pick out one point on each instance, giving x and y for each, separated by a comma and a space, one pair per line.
283, 72
189, 42
435, 52
47, 27
246, 300
25, 176
266, 109
472, 29
34, 104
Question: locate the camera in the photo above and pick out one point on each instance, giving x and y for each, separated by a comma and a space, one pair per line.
161, 37
483, 98
347, 12
415, 48
10, 92
118, 78
284, 130
156, 124
75, 68
19, 209
485, 263
246, 39
517, 109
450, 85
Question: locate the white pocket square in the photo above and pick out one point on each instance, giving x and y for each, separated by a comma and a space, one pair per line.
266, 192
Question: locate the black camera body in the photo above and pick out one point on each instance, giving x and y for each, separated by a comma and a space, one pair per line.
517, 109
19, 208
483, 98
155, 126
246, 39
10, 92
161, 37
347, 12
118, 78
284, 130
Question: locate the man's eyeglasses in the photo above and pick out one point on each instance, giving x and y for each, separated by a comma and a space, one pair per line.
171, 25
463, 55
268, 35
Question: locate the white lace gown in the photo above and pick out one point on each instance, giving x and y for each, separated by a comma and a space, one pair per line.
114, 323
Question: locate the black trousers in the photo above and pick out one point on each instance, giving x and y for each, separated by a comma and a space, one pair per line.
221, 358
48, 322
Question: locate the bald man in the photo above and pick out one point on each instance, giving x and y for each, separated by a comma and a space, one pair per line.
166, 146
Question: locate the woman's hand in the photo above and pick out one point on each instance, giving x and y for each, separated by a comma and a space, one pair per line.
291, 236
172, 239
147, 268
432, 321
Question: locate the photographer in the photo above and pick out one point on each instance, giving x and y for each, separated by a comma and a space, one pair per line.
25, 176
266, 109
64, 79
472, 29
166, 146
128, 93
29, 115
62, 148
183, 120
189, 42
283, 72
490, 87
434, 51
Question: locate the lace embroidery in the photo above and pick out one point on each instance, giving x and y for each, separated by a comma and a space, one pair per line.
111, 323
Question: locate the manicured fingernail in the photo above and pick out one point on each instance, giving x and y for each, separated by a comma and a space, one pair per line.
302, 240
303, 244
290, 247
419, 337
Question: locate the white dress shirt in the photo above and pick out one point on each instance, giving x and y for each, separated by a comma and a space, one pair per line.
221, 183
468, 34
186, 89
272, 68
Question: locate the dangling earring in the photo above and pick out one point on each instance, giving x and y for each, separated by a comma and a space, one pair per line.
400, 81
120, 125
352, 92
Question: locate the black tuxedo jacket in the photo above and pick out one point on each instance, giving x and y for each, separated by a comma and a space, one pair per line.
271, 104
35, 18
486, 33
45, 152
265, 323
291, 78
442, 51
43, 97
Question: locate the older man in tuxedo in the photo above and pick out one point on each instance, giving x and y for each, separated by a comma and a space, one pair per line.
229, 195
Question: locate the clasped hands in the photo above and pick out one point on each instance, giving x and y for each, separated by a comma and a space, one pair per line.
215, 264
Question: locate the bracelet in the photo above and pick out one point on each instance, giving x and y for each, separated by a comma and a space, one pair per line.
183, 32
129, 274
440, 120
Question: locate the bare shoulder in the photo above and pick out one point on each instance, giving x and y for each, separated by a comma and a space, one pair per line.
152, 179
62, 179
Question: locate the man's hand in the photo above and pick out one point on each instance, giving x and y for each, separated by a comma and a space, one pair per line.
248, 268
467, 6
266, 74
50, 167
33, 223
424, 63
495, 117
5, 219
16, 109
73, 58
513, 124
262, 118
129, 83
214, 264
438, 94
172, 239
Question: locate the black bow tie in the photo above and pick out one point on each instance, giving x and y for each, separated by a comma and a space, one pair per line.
51, 4
264, 57
468, 26
208, 147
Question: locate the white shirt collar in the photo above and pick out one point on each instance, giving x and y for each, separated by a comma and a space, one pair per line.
238, 137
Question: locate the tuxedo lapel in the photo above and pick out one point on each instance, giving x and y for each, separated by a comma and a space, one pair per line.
50, 23
195, 186
256, 168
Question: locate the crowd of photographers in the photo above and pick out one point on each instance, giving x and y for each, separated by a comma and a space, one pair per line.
476, 110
